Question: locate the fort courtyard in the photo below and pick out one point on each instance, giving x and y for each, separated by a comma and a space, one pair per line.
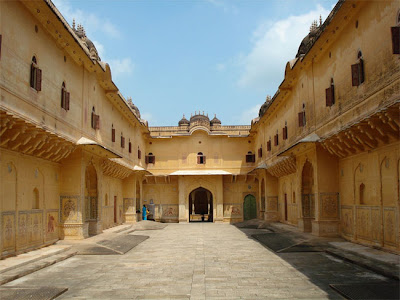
98, 202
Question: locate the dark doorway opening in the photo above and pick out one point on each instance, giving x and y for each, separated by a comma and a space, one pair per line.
115, 209
200, 205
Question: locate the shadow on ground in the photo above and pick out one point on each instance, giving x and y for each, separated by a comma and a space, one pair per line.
308, 254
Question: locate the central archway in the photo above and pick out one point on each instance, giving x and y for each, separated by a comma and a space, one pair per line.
200, 205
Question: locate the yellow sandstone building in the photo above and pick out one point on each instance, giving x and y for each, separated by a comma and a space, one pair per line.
77, 158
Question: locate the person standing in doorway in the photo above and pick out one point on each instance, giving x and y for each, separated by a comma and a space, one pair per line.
144, 212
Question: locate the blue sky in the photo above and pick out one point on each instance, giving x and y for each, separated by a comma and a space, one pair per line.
176, 57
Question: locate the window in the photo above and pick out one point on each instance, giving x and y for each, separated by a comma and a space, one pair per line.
201, 159
95, 119
36, 75
302, 117
260, 152
35, 200
139, 153
362, 192
122, 141
250, 157
357, 71
269, 147
112, 133
395, 36
64, 97
284, 131
330, 94
150, 159
276, 139
130, 146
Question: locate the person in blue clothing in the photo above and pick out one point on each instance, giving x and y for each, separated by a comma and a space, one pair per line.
144, 212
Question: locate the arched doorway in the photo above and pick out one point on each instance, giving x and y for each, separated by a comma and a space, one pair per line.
200, 205
307, 196
262, 209
91, 200
249, 207
138, 204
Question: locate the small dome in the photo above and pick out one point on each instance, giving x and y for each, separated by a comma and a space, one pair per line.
215, 121
309, 40
265, 106
183, 121
134, 107
199, 117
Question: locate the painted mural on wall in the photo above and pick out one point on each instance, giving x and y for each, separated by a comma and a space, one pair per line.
8, 230
52, 225
170, 211
233, 210
69, 206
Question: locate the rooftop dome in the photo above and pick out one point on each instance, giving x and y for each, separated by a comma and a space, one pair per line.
183, 121
134, 107
80, 32
215, 121
310, 38
199, 117
265, 106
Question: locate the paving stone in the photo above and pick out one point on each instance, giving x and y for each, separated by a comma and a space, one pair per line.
198, 261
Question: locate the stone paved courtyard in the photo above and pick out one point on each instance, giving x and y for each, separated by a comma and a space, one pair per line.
197, 261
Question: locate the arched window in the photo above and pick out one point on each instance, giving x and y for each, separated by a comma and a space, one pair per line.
269, 145
302, 117
396, 35
250, 157
276, 138
201, 159
330, 94
64, 97
122, 141
36, 75
35, 199
130, 146
95, 119
284, 132
357, 70
150, 158
139, 153
112, 133
362, 193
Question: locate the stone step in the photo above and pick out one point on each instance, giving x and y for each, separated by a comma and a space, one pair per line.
33, 266
385, 269
31, 256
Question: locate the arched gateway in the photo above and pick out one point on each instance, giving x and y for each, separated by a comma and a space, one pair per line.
200, 205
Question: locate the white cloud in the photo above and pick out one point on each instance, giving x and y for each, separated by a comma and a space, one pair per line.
122, 66
220, 67
273, 44
249, 114
94, 25
91, 22
224, 5
148, 117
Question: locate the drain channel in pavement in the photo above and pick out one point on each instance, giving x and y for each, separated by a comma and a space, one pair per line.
367, 291
32, 293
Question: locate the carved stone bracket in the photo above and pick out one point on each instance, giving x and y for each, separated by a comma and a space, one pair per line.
114, 169
282, 166
377, 130
19, 135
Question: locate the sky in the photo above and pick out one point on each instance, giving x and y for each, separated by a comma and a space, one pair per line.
176, 57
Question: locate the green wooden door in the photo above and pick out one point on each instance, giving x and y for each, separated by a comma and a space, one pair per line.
249, 207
